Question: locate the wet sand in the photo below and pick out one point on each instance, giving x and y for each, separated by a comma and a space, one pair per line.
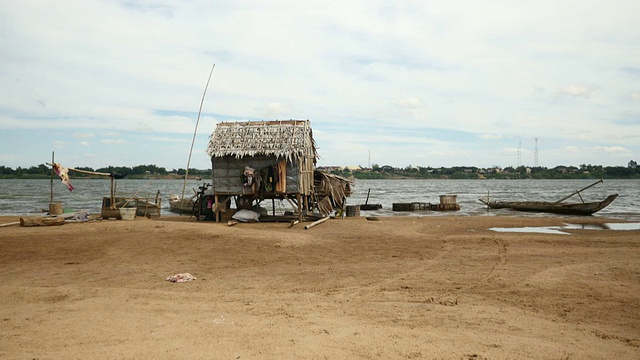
433, 287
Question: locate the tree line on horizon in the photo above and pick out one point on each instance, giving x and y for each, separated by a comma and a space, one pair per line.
584, 171
44, 171
631, 171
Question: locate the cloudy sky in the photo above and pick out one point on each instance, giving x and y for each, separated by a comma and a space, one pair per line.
422, 83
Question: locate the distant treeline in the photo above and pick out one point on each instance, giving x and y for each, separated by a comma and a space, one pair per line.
631, 171
136, 172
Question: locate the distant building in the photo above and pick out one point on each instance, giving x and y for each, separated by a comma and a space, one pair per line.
352, 168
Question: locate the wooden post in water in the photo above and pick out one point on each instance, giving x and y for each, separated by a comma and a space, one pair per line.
52, 171
488, 207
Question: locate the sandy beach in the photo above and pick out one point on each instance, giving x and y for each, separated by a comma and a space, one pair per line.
433, 287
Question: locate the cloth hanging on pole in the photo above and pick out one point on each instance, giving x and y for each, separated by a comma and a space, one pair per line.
63, 174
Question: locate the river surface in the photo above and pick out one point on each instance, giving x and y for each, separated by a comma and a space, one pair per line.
27, 197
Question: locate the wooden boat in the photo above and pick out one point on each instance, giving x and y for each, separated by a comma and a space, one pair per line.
178, 206
586, 208
558, 207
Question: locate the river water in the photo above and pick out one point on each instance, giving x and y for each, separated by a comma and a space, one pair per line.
28, 197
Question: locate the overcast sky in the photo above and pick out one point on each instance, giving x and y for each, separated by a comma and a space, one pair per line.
422, 83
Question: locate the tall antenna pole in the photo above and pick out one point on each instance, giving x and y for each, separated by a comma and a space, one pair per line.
195, 131
535, 155
519, 154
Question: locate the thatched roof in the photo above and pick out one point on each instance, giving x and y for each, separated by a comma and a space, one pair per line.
290, 139
332, 191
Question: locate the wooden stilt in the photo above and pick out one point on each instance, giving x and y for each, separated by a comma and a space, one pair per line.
215, 208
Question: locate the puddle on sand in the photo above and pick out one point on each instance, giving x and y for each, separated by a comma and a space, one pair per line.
623, 226
541, 230
558, 229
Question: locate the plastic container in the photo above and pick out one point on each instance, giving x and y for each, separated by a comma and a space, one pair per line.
128, 213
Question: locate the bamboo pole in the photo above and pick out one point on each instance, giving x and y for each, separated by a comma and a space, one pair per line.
134, 197
52, 171
316, 223
112, 194
195, 131
85, 171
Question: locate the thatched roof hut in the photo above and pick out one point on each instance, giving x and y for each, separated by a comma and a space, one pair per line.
263, 159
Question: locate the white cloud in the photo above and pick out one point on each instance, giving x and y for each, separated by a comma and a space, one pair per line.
408, 103
84, 135
617, 151
491, 136
576, 90
113, 141
275, 110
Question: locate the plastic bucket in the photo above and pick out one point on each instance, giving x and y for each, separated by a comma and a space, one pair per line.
128, 213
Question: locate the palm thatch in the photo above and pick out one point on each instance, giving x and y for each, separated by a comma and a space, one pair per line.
289, 139
331, 191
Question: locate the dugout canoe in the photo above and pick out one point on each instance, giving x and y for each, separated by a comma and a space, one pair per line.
583, 208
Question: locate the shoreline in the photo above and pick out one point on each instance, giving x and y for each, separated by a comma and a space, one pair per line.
399, 287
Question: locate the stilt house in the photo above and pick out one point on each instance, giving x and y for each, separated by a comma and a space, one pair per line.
258, 160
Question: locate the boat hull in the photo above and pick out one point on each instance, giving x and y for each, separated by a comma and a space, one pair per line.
180, 206
551, 207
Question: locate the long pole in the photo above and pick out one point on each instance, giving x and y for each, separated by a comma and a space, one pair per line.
195, 131
52, 171
85, 171
578, 191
